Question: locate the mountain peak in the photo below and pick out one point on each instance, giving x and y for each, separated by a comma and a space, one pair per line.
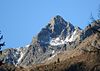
57, 16
57, 20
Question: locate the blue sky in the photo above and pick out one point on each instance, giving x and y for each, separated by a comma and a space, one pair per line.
20, 20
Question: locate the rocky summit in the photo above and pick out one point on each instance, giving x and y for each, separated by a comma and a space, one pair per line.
49, 41
59, 46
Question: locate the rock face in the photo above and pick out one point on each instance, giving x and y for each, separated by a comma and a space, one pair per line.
73, 48
85, 57
55, 28
91, 29
56, 37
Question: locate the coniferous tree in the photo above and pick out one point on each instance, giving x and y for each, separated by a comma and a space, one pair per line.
1, 43
58, 60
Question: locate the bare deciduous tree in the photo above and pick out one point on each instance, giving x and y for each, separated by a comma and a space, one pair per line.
99, 12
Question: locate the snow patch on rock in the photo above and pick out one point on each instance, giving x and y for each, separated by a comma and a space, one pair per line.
69, 38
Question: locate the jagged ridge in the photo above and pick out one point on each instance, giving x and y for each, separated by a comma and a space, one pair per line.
56, 37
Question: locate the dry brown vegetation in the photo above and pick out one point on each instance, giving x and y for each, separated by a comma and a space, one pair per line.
78, 59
